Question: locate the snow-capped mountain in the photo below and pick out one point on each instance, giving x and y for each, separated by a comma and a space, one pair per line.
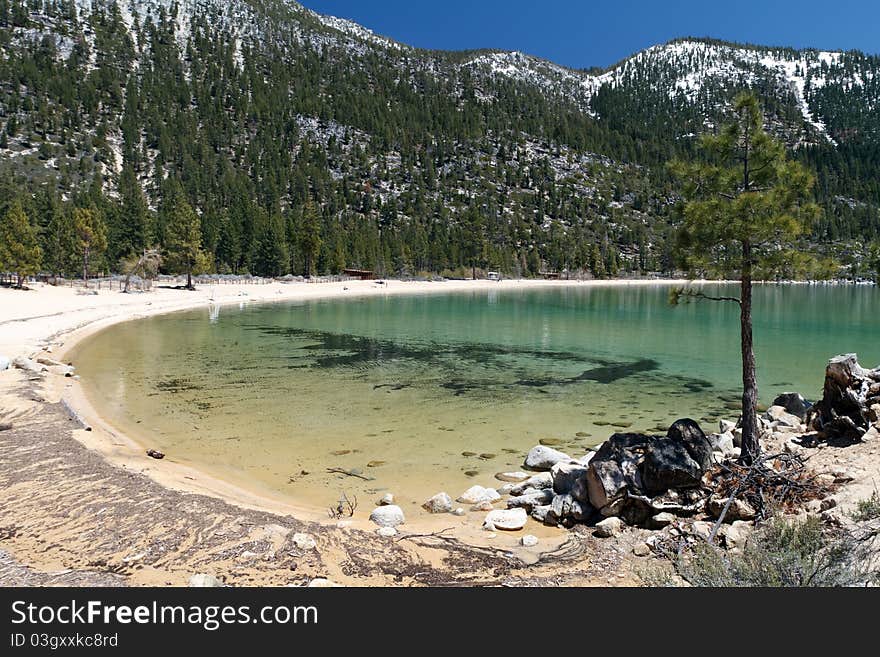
269, 96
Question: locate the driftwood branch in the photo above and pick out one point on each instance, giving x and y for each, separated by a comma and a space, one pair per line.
350, 473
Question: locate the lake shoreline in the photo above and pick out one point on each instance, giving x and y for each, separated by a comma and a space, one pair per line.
57, 475
60, 319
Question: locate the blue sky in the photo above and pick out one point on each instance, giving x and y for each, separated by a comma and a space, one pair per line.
589, 33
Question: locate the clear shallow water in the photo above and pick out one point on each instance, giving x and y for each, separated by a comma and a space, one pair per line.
439, 392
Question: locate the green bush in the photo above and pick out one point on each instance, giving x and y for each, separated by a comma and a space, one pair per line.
867, 510
784, 553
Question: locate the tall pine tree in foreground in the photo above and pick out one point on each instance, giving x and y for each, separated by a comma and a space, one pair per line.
746, 204
20, 251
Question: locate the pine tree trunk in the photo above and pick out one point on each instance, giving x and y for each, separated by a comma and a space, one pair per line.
86, 266
751, 448
189, 280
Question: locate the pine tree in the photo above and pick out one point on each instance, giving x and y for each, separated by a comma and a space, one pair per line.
90, 237
20, 251
270, 257
746, 205
128, 234
59, 241
310, 237
183, 238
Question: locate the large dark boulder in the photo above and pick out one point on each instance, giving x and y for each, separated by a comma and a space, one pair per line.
668, 464
614, 468
793, 403
691, 436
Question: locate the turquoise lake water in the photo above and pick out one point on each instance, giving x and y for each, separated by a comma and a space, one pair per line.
439, 392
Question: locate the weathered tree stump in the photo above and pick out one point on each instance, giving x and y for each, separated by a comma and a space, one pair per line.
843, 414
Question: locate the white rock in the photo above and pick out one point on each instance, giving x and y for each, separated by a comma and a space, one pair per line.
477, 494
387, 499
482, 506
514, 477
721, 442
662, 519
322, 583
28, 365
538, 482
726, 426
737, 534
505, 489
202, 580
531, 498
5, 362
458, 512
488, 526
440, 503
702, 529
387, 516
778, 414
542, 457
529, 541
386, 532
507, 519
642, 550
609, 527
304, 541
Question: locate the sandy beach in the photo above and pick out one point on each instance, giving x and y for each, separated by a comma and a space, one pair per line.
51, 320
48, 321
84, 504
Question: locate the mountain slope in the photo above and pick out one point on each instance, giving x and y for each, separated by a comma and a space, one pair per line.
417, 160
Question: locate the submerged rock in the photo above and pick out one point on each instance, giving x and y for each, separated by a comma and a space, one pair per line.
388, 516
542, 457
386, 532
507, 519
529, 541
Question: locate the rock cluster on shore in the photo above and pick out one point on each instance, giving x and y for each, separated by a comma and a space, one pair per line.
656, 481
